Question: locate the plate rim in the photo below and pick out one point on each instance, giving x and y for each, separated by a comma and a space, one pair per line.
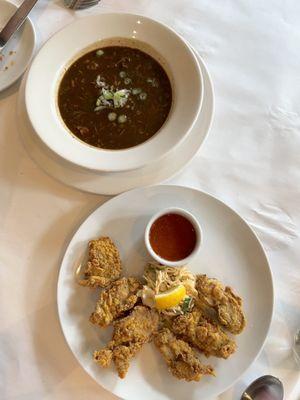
28, 21
213, 198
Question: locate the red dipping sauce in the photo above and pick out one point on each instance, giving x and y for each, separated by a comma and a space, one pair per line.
172, 237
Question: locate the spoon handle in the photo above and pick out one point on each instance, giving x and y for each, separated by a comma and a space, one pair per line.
16, 21
246, 396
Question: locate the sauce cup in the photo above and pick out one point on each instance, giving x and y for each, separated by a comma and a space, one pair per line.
168, 231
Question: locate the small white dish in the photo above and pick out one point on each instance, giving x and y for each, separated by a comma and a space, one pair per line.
67, 45
187, 215
114, 183
17, 54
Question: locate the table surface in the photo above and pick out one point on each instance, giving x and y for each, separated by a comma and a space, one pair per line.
251, 161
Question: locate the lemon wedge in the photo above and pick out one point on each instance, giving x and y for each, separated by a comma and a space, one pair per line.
170, 298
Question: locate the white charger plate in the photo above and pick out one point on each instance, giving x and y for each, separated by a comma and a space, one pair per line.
230, 251
17, 54
118, 182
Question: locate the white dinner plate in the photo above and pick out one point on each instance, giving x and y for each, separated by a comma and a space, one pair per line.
230, 251
16, 55
118, 182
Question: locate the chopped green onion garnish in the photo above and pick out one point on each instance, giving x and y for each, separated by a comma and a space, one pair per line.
120, 98
112, 116
187, 304
99, 53
122, 118
99, 82
153, 82
122, 74
127, 81
107, 94
143, 96
99, 108
136, 91
111, 99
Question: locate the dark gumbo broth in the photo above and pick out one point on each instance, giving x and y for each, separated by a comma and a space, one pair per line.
115, 97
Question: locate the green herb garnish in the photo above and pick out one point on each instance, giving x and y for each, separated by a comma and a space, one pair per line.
107, 94
136, 91
143, 96
120, 98
153, 82
112, 116
99, 53
122, 118
127, 81
99, 82
187, 304
110, 99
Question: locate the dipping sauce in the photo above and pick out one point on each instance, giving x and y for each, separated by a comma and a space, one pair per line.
115, 97
172, 237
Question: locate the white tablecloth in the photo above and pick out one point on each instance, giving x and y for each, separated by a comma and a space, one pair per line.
251, 161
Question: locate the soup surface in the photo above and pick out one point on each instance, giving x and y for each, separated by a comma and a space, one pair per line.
115, 97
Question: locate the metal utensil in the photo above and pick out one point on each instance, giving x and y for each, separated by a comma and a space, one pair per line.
80, 4
16, 21
264, 388
296, 347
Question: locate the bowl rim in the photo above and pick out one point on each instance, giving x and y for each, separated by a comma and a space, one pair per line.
191, 218
93, 158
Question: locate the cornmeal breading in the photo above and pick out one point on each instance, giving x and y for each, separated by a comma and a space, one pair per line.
180, 357
120, 297
200, 322
104, 264
227, 305
206, 336
130, 333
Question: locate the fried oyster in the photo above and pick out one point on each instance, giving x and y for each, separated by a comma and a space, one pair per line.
130, 334
115, 300
208, 314
104, 264
226, 304
180, 357
203, 334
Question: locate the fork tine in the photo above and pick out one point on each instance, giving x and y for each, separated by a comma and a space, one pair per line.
84, 2
80, 4
91, 4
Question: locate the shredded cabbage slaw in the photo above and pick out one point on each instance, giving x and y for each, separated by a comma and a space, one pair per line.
160, 278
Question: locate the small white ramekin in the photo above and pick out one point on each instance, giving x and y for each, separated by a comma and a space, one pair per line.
189, 217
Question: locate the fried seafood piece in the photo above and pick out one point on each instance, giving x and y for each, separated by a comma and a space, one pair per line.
130, 333
180, 357
203, 334
227, 305
120, 297
104, 264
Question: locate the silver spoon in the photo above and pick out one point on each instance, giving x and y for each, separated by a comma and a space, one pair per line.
264, 388
296, 347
